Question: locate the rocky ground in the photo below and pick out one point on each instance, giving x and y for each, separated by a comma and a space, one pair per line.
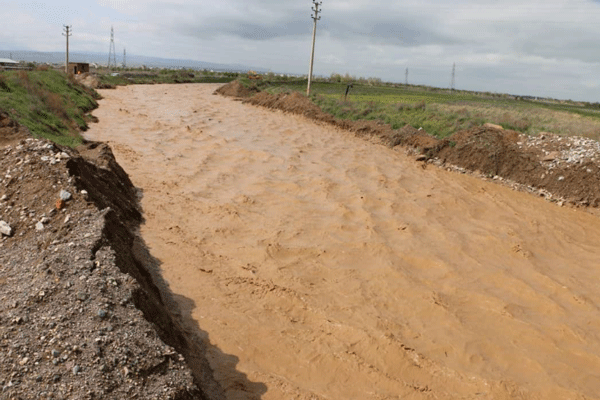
79, 318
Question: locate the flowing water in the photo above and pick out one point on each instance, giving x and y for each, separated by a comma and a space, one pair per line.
323, 266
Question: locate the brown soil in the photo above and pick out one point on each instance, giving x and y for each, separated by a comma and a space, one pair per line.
486, 150
10, 131
317, 265
235, 89
88, 80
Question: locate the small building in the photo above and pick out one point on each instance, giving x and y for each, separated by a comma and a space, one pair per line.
7, 62
79, 68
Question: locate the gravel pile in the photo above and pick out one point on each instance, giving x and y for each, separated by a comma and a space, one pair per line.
558, 150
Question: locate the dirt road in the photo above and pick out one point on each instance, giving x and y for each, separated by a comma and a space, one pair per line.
322, 266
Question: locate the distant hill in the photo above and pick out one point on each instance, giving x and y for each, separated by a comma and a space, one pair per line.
132, 60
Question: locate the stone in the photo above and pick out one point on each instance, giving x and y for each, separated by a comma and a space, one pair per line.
65, 196
553, 155
5, 229
39, 226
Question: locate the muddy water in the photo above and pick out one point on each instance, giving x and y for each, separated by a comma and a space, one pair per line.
323, 266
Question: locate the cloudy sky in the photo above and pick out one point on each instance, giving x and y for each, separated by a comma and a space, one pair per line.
537, 47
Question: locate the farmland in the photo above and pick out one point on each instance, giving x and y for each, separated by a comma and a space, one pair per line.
441, 112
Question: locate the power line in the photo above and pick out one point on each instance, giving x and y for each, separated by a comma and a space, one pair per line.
124, 58
315, 17
406, 77
67, 32
111, 51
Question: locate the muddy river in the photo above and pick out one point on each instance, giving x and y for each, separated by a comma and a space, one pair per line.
322, 266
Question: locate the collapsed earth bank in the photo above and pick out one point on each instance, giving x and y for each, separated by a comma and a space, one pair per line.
81, 316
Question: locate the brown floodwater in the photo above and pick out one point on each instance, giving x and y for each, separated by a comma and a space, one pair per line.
324, 266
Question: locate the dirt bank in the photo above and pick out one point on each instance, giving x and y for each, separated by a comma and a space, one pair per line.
74, 323
562, 169
317, 265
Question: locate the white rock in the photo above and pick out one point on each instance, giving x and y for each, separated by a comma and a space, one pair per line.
39, 226
5, 229
65, 196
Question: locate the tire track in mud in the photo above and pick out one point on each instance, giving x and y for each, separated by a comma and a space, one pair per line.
324, 266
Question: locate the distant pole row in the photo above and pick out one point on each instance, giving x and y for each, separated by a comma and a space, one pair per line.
315, 17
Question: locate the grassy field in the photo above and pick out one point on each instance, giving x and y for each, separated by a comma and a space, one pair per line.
122, 77
441, 112
47, 103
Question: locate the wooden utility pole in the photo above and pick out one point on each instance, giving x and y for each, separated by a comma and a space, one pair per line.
315, 17
453, 80
67, 32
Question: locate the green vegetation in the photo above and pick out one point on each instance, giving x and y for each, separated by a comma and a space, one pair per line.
439, 111
47, 103
130, 76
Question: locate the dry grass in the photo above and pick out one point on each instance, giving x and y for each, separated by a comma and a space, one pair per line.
531, 120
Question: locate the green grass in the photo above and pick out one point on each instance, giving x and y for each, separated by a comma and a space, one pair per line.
441, 112
47, 103
142, 77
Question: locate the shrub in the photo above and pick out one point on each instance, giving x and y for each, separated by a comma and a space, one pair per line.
4, 84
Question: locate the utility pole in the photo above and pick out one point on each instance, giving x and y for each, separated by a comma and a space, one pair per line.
315, 17
452, 82
111, 51
124, 58
67, 32
406, 77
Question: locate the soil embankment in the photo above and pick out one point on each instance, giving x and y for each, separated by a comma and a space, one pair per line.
74, 324
317, 265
